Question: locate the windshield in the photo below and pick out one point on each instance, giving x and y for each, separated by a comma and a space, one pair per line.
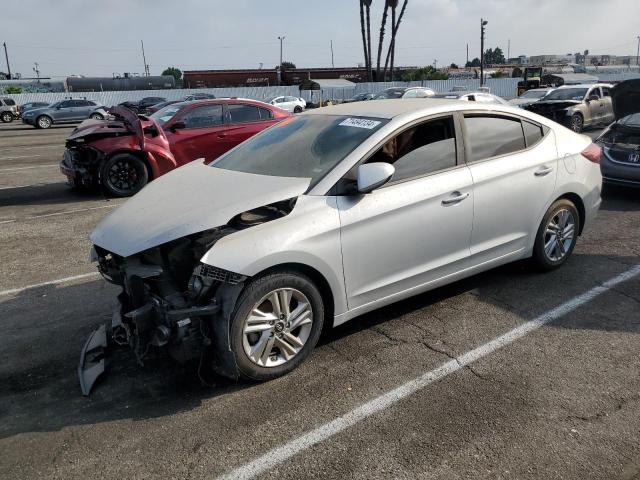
632, 120
567, 94
390, 93
533, 94
165, 114
307, 146
270, 99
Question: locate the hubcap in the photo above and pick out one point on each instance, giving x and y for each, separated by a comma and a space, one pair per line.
277, 328
558, 235
576, 123
44, 122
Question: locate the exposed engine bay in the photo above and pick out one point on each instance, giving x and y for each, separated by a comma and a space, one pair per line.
170, 302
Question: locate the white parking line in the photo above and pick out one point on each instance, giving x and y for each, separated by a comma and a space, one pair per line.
17, 169
284, 452
13, 291
34, 217
20, 156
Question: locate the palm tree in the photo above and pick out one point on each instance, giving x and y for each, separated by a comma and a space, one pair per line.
367, 5
364, 38
381, 39
394, 32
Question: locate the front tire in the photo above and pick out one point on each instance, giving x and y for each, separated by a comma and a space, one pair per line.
123, 175
6, 117
276, 324
576, 123
44, 122
96, 116
297, 109
557, 235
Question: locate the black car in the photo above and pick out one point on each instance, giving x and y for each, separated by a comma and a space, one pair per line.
361, 97
620, 142
143, 105
199, 96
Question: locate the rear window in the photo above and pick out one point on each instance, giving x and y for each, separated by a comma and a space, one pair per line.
532, 133
493, 136
9, 101
265, 113
243, 113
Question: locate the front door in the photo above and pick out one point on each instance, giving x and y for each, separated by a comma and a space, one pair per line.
204, 135
596, 107
414, 230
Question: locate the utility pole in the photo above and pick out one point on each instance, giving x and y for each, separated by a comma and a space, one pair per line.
37, 70
332, 65
280, 68
144, 60
508, 50
482, 25
6, 56
467, 55
435, 63
637, 54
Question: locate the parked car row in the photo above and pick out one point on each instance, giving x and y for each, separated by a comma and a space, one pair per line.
63, 111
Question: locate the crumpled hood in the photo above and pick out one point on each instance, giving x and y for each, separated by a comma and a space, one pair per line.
98, 127
626, 98
543, 106
188, 200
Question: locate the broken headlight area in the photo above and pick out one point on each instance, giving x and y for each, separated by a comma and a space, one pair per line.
81, 162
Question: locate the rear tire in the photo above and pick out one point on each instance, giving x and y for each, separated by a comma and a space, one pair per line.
280, 338
576, 123
6, 117
44, 122
297, 109
556, 236
123, 175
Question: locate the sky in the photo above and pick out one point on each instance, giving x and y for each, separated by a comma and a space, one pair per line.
74, 37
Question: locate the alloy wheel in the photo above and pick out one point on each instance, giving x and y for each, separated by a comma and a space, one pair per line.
277, 327
559, 235
44, 122
123, 176
576, 123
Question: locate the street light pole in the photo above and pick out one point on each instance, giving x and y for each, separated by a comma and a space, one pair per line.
482, 25
637, 54
280, 76
6, 56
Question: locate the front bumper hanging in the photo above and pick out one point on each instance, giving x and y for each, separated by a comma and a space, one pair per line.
92, 359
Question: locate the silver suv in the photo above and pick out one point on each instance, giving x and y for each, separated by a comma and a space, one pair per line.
64, 111
8, 110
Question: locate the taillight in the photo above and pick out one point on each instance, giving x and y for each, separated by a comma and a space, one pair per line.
592, 153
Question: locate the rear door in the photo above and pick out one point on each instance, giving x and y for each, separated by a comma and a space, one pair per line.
513, 163
244, 122
203, 135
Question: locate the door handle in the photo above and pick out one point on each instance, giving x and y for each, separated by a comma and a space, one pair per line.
543, 171
457, 199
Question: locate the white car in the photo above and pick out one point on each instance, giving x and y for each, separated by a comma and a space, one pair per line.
290, 104
331, 214
529, 97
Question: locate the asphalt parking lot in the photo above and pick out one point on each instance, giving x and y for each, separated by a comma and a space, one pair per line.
562, 401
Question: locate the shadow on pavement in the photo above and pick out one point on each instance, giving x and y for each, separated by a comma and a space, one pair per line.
43, 331
47, 194
616, 198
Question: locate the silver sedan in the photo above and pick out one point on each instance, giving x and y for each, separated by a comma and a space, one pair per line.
331, 214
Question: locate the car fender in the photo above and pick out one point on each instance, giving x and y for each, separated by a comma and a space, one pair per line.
309, 236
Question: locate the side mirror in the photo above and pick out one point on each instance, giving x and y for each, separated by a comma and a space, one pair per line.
178, 126
374, 175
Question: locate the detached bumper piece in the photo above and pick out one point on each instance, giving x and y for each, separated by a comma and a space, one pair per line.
92, 359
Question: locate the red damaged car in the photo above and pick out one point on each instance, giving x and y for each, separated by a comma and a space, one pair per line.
122, 155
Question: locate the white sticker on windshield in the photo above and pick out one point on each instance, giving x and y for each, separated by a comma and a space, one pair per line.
360, 123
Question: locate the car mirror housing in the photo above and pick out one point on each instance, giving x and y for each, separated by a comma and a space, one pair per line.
374, 175
178, 126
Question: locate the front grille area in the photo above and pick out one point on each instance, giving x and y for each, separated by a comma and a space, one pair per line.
220, 274
622, 156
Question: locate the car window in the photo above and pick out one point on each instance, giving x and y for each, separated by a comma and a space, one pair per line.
9, 101
265, 113
532, 133
66, 104
596, 92
482, 98
417, 93
421, 150
204, 116
243, 113
606, 92
490, 136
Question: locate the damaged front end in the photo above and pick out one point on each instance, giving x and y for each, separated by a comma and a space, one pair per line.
171, 303
558, 111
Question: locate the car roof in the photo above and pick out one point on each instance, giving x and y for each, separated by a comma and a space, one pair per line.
586, 85
395, 107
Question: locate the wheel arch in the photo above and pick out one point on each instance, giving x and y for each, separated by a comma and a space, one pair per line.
577, 201
316, 277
